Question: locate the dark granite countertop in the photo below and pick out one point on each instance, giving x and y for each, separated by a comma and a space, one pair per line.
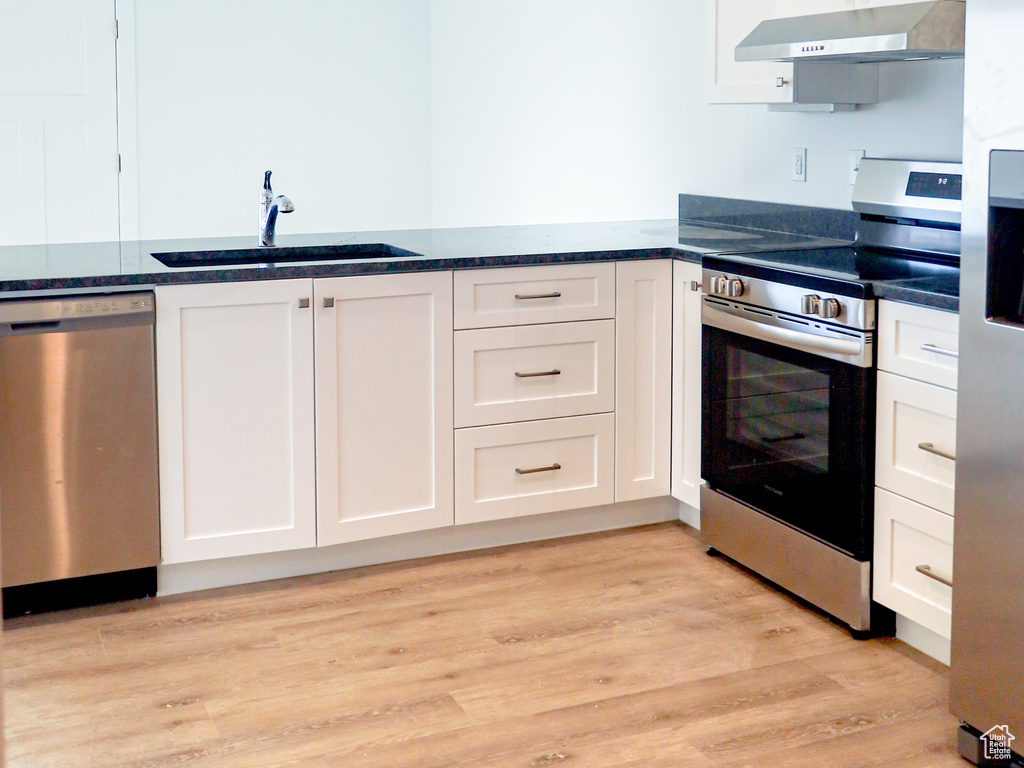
31, 270
937, 291
25, 270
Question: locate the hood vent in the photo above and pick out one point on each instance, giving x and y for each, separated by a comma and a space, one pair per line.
931, 30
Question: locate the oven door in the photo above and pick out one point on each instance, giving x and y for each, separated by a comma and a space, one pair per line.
790, 433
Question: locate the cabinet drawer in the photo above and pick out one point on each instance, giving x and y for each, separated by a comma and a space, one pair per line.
918, 342
534, 372
534, 467
909, 535
916, 440
486, 298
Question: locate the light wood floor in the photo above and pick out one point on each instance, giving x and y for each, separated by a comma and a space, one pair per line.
631, 648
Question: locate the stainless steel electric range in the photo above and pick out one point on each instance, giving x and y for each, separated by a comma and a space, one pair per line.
788, 383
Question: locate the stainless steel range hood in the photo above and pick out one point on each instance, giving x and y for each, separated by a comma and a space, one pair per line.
889, 33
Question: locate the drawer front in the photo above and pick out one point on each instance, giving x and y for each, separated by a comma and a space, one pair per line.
513, 470
554, 293
918, 342
534, 372
915, 445
909, 535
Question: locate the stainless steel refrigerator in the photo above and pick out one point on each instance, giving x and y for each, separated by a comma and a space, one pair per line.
987, 670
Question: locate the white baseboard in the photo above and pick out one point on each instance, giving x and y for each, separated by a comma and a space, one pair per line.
209, 574
923, 639
689, 515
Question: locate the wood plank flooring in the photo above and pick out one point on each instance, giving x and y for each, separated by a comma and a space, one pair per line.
630, 648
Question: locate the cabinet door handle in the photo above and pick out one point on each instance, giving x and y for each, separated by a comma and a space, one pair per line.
930, 448
304, 302
695, 286
552, 372
927, 571
328, 302
939, 350
552, 468
528, 296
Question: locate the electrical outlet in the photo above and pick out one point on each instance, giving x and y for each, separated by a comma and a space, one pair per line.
855, 158
800, 164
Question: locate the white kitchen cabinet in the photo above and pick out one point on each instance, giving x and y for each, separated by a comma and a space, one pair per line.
915, 462
527, 372
549, 293
918, 342
686, 382
915, 454
746, 82
912, 561
384, 415
533, 467
643, 375
235, 409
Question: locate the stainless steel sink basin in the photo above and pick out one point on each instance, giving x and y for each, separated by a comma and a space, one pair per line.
251, 256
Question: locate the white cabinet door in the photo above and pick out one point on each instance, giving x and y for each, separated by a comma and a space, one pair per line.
686, 384
643, 378
728, 22
384, 410
58, 122
235, 389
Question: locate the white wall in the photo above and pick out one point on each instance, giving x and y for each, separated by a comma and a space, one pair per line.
379, 114
332, 95
557, 110
582, 110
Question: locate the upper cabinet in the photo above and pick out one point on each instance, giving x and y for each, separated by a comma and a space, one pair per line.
729, 21
769, 82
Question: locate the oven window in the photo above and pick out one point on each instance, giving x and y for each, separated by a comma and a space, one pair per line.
777, 411
791, 434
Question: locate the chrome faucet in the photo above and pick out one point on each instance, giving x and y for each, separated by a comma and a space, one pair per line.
270, 206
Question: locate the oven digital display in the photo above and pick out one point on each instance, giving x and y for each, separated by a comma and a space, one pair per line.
944, 186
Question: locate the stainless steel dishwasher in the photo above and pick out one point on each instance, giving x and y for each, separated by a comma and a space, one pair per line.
78, 460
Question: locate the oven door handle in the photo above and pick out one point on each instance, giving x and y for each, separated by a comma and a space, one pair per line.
784, 336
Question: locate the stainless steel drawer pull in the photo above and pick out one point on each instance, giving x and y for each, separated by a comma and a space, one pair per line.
927, 571
304, 302
552, 372
930, 448
527, 296
939, 350
328, 302
552, 468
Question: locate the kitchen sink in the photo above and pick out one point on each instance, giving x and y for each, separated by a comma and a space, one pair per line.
273, 255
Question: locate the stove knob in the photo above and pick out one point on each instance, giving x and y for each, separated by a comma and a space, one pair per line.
718, 286
829, 308
734, 288
809, 304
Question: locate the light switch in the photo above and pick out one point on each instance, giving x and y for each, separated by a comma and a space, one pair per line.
800, 164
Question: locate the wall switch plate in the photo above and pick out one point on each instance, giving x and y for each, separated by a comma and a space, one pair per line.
800, 164
855, 157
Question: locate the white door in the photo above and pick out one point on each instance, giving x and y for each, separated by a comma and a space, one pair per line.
686, 384
235, 412
643, 377
384, 411
58, 122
